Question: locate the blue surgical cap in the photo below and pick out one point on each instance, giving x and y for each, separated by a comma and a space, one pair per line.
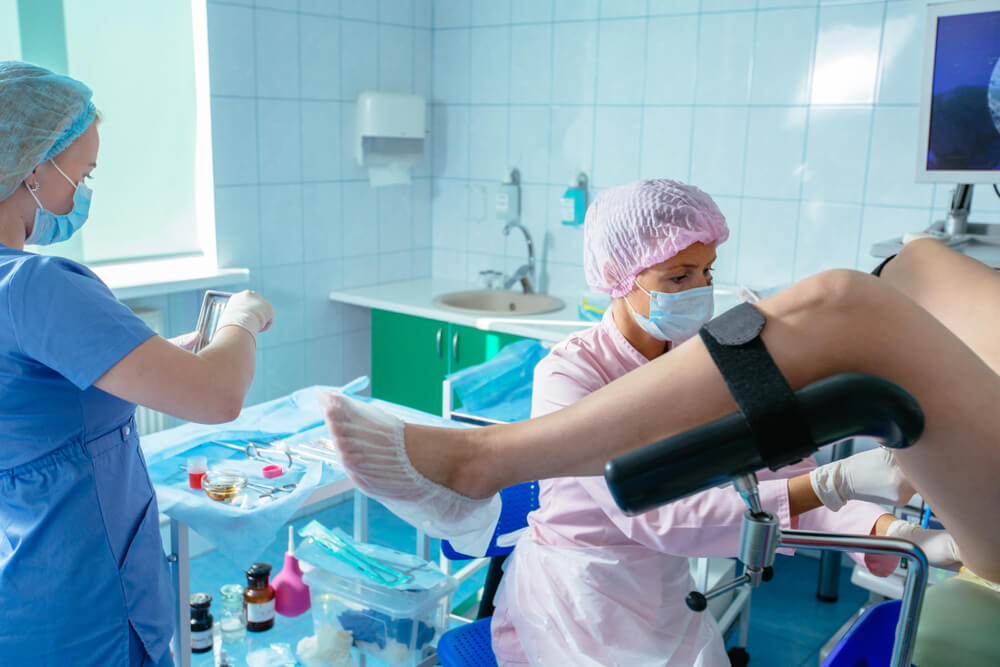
41, 114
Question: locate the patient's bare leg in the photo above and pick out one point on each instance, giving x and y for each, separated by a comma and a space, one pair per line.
964, 294
835, 322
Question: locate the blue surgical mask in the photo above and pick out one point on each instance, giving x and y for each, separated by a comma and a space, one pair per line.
675, 316
52, 228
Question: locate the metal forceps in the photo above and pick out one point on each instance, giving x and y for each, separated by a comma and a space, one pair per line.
268, 491
252, 451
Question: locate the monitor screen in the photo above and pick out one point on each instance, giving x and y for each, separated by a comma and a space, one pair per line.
960, 129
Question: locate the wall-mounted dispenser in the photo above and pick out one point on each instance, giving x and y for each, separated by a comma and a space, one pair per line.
508, 199
391, 135
573, 205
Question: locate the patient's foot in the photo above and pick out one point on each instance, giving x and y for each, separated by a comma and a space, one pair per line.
375, 456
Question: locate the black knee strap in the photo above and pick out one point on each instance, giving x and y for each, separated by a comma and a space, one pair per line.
765, 400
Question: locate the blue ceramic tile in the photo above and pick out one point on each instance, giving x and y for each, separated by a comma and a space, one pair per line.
670, 67
395, 218
882, 223
322, 221
565, 244
575, 9
285, 368
234, 145
448, 263
666, 143
728, 254
349, 168
282, 286
423, 13
359, 271
836, 153
718, 149
450, 141
395, 59
489, 60
277, 35
727, 5
422, 65
394, 267
724, 48
892, 159
451, 66
281, 224
847, 54
451, 13
322, 316
783, 56
357, 354
767, 242
574, 62
901, 66
673, 6
530, 67
828, 237
489, 12
319, 43
360, 221
284, 5
770, 4
358, 58
421, 235
531, 11
399, 12
616, 149
530, 132
621, 66
623, 8
279, 135
450, 216
237, 227
325, 7
776, 137
325, 361
487, 142
361, 9
321, 141
231, 50
572, 143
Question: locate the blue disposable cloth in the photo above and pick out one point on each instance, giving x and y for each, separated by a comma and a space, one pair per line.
41, 114
501, 387
243, 534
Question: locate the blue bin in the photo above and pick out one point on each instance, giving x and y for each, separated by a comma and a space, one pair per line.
869, 641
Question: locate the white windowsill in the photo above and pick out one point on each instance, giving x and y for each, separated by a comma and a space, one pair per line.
135, 280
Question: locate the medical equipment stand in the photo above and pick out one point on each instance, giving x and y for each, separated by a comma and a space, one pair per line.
761, 536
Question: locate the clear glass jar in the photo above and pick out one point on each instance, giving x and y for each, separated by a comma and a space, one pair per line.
233, 620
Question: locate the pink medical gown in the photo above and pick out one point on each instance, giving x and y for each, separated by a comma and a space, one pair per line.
588, 585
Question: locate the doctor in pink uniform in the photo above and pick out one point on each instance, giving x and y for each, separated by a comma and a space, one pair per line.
586, 584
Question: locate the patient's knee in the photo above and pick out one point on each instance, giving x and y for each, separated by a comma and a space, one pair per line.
839, 292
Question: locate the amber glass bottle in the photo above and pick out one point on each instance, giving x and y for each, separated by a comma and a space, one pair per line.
259, 598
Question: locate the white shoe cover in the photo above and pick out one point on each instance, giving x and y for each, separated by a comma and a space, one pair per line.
372, 450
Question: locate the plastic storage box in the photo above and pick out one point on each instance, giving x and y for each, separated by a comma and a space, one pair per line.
399, 625
869, 641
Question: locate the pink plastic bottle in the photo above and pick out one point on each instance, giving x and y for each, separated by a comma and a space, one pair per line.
291, 595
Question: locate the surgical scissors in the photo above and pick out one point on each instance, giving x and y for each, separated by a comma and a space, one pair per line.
252, 450
269, 491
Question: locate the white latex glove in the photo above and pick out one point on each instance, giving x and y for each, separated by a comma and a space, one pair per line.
373, 453
872, 475
248, 310
938, 545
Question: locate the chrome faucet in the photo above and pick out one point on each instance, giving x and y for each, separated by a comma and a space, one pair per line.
526, 272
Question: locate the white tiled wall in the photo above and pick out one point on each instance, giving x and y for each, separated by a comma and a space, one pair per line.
798, 116
290, 203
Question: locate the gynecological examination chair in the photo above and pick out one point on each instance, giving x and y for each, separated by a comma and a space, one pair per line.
774, 427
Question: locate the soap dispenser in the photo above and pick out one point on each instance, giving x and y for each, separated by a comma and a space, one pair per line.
573, 205
291, 595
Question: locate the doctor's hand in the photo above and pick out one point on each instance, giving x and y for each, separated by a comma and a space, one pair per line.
872, 475
938, 545
248, 310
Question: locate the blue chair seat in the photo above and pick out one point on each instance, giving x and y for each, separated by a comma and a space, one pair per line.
469, 646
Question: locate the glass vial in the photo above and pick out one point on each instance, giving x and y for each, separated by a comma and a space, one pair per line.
233, 621
259, 598
201, 623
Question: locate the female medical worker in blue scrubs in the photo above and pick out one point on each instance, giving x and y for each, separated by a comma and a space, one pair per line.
83, 578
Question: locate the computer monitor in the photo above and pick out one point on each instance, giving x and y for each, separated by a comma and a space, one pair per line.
959, 131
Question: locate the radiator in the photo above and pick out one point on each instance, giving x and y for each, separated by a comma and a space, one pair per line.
150, 421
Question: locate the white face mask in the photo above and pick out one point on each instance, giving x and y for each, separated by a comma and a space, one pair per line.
675, 316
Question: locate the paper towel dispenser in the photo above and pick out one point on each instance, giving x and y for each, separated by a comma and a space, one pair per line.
391, 135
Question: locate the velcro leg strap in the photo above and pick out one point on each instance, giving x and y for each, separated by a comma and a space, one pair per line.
765, 400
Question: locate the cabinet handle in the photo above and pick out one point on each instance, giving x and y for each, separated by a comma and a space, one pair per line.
440, 333
454, 348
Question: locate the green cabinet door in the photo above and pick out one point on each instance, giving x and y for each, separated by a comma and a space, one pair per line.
469, 346
409, 359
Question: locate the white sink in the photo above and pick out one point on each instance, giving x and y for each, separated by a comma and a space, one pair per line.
498, 302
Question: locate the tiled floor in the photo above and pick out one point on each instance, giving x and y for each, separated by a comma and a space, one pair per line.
788, 624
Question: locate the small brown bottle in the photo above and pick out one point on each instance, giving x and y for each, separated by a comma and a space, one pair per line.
201, 623
259, 598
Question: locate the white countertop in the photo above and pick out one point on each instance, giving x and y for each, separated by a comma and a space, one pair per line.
414, 297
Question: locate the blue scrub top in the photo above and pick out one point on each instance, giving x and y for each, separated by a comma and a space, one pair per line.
83, 577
